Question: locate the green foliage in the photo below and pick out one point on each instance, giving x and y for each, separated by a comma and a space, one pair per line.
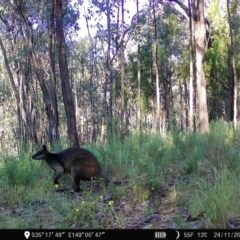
217, 201
146, 65
139, 158
205, 169
18, 172
218, 67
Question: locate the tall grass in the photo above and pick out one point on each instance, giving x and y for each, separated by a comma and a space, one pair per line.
205, 168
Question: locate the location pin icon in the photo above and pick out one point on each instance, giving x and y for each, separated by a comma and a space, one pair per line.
27, 234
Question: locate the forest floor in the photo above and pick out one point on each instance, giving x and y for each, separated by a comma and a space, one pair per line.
179, 181
92, 208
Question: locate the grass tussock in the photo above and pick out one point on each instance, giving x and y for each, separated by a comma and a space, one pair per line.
181, 180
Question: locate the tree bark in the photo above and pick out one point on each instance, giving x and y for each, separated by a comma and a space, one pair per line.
199, 29
49, 107
64, 75
15, 88
138, 77
26, 130
94, 62
54, 133
190, 118
155, 54
233, 82
123, 120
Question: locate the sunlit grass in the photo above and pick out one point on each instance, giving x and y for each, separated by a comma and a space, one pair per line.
199, 173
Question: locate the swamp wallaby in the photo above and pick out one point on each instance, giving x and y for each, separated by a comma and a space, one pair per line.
80, 163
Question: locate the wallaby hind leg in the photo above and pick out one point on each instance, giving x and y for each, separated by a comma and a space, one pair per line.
57, 175
76, 181
107, 181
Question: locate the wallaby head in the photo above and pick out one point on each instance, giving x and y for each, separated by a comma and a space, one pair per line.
40, 155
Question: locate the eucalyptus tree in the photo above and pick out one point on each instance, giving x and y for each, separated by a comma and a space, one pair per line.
84, 74
156, 62
42, 26
59, 9
95, 102
220, 58
169, 30
17, 62
105, 34
138, 74
191, 64
200, 33
108, 17
31, 24
123, 117
140, 66
197, 7
233, 71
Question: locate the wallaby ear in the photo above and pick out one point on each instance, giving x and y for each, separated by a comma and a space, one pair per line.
44, 147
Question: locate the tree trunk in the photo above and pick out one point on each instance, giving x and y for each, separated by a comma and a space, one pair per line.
233, 84
123, 120
64, 75
108, 78
138, 78
94, 62
53, 132
186, 99
49, 107
190, 118
199, 27
230, 86
15, 88
155, 54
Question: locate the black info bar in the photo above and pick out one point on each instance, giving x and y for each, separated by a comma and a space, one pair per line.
120, 233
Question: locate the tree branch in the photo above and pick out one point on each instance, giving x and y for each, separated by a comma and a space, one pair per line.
182, 5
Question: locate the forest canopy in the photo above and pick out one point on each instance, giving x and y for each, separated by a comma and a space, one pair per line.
81, 71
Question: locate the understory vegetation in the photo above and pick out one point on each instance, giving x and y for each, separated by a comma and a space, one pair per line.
179, 180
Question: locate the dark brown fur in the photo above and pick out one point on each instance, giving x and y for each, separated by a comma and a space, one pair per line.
80, 163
